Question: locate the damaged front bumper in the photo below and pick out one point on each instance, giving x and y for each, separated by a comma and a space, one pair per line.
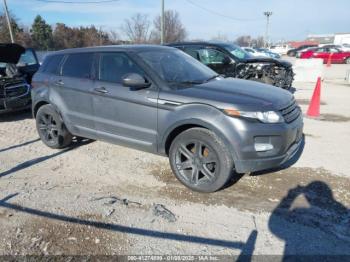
14, 97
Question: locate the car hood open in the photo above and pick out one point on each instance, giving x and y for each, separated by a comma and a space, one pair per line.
262, 59
11, 53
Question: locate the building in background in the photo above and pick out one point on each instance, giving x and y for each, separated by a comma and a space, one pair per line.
342, 38
324, 39
296, 44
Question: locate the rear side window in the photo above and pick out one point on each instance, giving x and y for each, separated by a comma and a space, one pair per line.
52, 63
78, 65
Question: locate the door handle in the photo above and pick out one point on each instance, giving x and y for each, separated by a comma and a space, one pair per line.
101, 90
59, 83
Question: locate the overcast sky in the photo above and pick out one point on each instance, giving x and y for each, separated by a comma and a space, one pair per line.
291, 19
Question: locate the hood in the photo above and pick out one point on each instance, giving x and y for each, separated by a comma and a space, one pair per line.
11, 53
243, 94
279, 62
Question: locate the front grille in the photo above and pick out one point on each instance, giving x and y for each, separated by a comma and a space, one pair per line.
17, 90
2, 91
13, 87
291, 112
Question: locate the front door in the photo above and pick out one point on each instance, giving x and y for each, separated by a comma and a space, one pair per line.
213, 58
124, 115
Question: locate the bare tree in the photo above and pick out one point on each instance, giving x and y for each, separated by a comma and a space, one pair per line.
247, 40
244, 40
174, 30
114, 36
137, 28
220, 37
258, 42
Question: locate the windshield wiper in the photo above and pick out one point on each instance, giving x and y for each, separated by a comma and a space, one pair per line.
194, 82
211, 78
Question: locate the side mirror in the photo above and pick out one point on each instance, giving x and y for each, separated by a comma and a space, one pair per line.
227, 60
135, 81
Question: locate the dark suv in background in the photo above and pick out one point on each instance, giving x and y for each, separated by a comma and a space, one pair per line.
160, 100
230, 60
17, 67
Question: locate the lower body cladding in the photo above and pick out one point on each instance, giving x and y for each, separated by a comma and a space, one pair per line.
265, 146
15, 98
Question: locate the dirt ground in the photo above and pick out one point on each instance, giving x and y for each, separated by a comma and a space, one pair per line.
101, 199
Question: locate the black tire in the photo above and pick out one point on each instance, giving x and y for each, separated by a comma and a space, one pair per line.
51, 128
200, 160
347, 61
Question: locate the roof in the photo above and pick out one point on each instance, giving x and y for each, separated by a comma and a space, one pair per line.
218, 43
135, 48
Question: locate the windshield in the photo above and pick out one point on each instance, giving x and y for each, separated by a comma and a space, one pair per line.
26, 59
175, 66
237, 51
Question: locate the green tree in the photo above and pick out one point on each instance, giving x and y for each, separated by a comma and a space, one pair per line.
41, 34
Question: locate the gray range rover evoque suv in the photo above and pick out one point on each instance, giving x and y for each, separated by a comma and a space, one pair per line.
161, 100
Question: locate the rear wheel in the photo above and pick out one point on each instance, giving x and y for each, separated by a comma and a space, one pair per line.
51, 128
200, 160
347, 61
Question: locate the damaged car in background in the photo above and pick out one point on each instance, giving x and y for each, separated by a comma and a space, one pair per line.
17, 67
230, 60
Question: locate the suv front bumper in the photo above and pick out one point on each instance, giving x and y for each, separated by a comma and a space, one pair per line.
286, 141
13, 102
253, 165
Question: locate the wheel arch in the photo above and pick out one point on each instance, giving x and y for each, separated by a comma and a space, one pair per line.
184, 125
37, 106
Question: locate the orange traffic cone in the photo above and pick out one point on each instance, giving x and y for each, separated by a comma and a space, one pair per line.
329, 61
314, 107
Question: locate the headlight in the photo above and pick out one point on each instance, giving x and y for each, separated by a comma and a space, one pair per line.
270, 117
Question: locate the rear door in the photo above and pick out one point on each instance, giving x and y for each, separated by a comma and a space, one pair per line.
72, 92
124, 115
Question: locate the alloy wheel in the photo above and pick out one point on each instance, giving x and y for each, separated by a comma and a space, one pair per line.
48, 128
197, 163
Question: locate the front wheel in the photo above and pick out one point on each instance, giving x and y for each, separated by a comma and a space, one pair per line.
51, 128
201, 160
347, 61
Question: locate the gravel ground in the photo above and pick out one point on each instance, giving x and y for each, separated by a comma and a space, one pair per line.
98, 198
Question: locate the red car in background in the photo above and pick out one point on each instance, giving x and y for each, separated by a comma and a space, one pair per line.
336, 55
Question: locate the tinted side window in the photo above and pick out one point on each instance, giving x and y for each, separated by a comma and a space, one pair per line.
78, 65
28, 58
114, 66
211, 56
52, 63
193, 51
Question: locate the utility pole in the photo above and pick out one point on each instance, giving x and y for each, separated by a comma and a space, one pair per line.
162, 24
100, 35
267, 14
8, 21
